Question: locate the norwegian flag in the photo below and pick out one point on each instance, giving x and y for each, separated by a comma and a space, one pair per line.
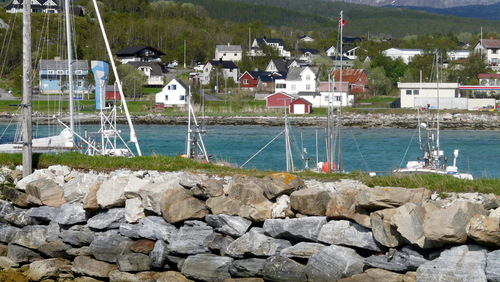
341, 22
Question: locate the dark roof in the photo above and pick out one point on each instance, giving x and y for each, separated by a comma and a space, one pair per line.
254, 74
18, 4
308, 93
181, 83
59, 64
136, 51
224, 64
312, 51
155, 67
350, 40
278, 41
271, 76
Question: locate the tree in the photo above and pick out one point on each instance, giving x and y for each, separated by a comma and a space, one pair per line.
380, 84
132, 80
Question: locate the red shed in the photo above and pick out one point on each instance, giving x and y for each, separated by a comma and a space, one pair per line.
112, 93
300, 106
249, 79
279, 100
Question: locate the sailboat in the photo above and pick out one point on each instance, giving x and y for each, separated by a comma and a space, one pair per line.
195, 147
432, 160
104, 142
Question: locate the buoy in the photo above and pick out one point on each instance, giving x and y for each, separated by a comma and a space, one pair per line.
326, 167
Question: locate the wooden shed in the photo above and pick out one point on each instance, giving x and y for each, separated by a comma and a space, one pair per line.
279, 100
300, 106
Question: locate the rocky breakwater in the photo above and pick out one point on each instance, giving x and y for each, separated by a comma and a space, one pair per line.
60, 224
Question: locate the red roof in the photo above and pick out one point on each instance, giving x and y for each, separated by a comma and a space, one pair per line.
325, 86
491, 43
488, 75
351, 75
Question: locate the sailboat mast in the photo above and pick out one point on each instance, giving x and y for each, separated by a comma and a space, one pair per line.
70, 67
438, 106
133, 136
27, 87
339, 154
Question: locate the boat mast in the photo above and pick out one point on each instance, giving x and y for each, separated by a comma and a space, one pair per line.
27, 91
133, 136
340, 166
438, 108
70, 68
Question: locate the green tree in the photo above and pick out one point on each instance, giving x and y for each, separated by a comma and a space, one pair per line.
380, 84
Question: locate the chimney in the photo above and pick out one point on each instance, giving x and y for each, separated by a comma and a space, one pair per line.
491, 37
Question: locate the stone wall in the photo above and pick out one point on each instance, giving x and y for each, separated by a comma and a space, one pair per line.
66, 225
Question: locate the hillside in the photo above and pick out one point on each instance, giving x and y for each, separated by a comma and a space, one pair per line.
361, 19
488, 12
421, 3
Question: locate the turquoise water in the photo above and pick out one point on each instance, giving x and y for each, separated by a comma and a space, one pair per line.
380, 150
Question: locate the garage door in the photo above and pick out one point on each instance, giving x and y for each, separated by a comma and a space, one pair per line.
299, 109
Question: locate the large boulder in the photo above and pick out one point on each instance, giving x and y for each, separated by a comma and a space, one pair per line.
70, 214
112, 193
449, 224
208, 188
21, 254
151, 227
90, 199
158, 256
90, 267
109, 247
255, 243
107, 219
374, 274
133, 262
333, 263
152, 194
77, 235
76, 189
55, 249
409, 258
43, 214
247, 267
278, 268
461, 263
134, 186
7, 233
207, 267
278, 184
45, 192
31, 237
343, 205
134, 211
485, 230
383, 231
245, 197
46, 269
409, 220
230, 225
310, 201
493, 266
295, 229
179, 204
192, 238
347, 233
390, 197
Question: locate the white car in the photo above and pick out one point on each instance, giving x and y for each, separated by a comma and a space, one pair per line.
199, 67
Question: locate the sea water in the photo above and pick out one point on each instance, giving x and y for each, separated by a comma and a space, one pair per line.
371, 150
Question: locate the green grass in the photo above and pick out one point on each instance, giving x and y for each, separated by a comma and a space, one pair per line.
438, 183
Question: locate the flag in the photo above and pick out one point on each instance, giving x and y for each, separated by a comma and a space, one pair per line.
341, 22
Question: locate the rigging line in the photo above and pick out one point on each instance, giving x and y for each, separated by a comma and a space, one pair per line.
10, 122
269, 143
9, 41
408, 148
359, 150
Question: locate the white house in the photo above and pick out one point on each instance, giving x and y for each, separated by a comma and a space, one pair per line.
405, 54
458, 54
415, 94
275, 43
174, 93
490, 48
152, 70
228, 69
306, 38
139, 54
347, 51
299, 79
37, 6
339, 95
228, 52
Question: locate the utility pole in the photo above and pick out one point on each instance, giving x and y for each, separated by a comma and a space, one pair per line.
27, 85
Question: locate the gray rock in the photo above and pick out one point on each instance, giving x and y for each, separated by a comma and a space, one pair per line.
247, 267
343, 232
208, 188
295, 229
383, 231
43, 214
134, 211
189, 180
407, 259
283, 269
76, 189
278, 184
493, 266
91, 267
333, 263
46, 269
18, 217
21, 254
107, 219
461, 263
218, 243
158, 256
83, 251
109, 248
112, 193
5, 209
133, 262
53, 231
207, 267
151, 194
70, 214
31, 237
151, 227
227, 224
134, 185
257, 244
192, 238
302, 250
55, 249
7, 233
77, 235
310, 201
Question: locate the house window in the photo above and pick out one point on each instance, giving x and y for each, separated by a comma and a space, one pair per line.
172, 87
408, 92
166, 97
494, 51
60, 72
245, 81
416, 92
78, 72
79, 83
337, 98
50, 72
308, 87
224, 54
280, 85
182, 97
235, 54
308, 77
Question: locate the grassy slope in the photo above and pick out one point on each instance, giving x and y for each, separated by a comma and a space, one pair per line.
163, 163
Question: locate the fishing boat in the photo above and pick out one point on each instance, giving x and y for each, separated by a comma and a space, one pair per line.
432, 159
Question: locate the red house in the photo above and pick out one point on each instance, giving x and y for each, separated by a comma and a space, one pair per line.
279, 100
112, 93
300, 106
357, 79
249, 79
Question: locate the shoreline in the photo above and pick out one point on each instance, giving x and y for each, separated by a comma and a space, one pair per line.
354, 120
